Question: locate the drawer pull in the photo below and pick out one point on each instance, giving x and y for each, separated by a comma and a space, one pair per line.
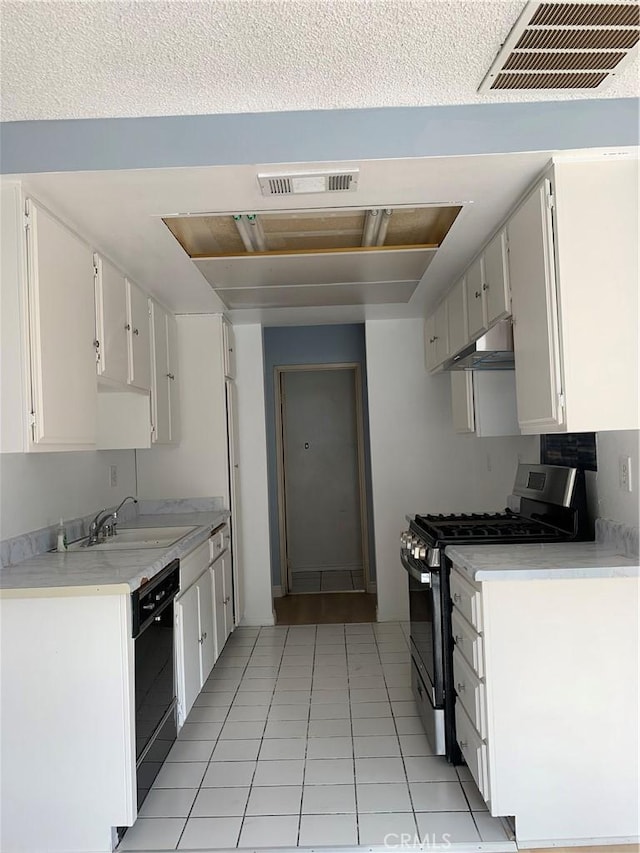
458, 639
457, 596
460, 687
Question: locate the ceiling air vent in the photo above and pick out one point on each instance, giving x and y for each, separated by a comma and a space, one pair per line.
563, 45
309, 182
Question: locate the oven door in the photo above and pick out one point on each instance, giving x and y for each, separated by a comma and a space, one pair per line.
425, 615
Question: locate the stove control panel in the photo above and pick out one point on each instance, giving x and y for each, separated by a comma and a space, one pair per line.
418, 549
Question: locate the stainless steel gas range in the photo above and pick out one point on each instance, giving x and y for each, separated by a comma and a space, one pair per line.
548, 500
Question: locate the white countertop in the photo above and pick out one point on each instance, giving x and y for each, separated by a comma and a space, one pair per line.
554, 561
94, 572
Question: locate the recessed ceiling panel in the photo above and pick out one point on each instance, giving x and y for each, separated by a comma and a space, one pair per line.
322, 268
232, 235
379, 293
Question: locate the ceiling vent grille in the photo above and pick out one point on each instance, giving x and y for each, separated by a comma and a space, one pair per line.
303, 183
563, 45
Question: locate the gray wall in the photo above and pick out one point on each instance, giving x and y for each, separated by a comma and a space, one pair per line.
310, 345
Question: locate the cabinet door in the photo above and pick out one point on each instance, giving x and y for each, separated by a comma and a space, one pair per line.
476, 305
139, 338
228, 593
430, 342
160, 405
457, 316
535, 324
111, 322
62, 334
442, 333
494, 399
188, 649
234, 488
207, 639
172, 379
229, 342
217, 578
462, 408
496, 275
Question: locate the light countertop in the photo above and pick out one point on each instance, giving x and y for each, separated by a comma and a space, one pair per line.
93, 572
553, 561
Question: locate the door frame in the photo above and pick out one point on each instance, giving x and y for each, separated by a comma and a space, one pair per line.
280, 465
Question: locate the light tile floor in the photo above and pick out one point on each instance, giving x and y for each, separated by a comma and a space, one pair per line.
306, 736
327, 581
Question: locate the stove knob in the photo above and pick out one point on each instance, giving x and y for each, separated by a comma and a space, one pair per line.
423, 553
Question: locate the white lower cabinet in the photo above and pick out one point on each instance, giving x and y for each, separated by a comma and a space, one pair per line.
204, 616
546, 706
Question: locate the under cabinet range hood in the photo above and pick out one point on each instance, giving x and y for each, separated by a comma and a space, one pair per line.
493, 351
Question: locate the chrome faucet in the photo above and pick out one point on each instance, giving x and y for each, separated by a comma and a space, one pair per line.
106, 521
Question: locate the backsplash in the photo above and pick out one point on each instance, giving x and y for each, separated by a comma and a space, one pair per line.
624, 538
28, 545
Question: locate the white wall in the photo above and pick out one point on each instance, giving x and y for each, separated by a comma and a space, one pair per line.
418, 463
37, 489
612, 501
252, 460
197, 466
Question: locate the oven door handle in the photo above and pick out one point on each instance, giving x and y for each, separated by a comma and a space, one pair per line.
423, 578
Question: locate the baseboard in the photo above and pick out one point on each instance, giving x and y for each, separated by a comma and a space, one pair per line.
276, 592
372, 589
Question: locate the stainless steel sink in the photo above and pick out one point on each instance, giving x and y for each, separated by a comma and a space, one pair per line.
136, 537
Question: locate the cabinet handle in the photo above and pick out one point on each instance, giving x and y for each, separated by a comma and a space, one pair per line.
460, 687
136, 332
457, 596
201, 640
230, 349
463, 744
96, 344
458, 639
485, 286
478, 294
127, 327
170, 376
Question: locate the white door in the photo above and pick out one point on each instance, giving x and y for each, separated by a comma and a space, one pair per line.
139, 337
207, 638
160, 406
217, 578
533, 295
228, 593
321, 474
188, 649
496, 274
476, 311
111, 322
229, 342
457, 317
62, 334
234, 495
172, 379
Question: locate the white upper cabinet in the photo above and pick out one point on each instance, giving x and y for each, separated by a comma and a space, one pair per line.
476, 304
229, 344
462, 410
61, 313
437, 337
483, 402
139, 337
573, 265
111, 322
457, 317
495, 287
164, 390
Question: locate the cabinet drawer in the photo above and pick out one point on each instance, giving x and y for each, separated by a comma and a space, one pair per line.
473, 749
470, 691
218, 541
467, 599
468, 641
193, 565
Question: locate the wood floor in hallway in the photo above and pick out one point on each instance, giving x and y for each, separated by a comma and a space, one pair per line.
325, 607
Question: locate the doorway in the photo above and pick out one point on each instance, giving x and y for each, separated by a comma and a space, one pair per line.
321, 479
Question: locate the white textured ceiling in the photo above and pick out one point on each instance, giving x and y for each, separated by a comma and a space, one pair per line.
104, 59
